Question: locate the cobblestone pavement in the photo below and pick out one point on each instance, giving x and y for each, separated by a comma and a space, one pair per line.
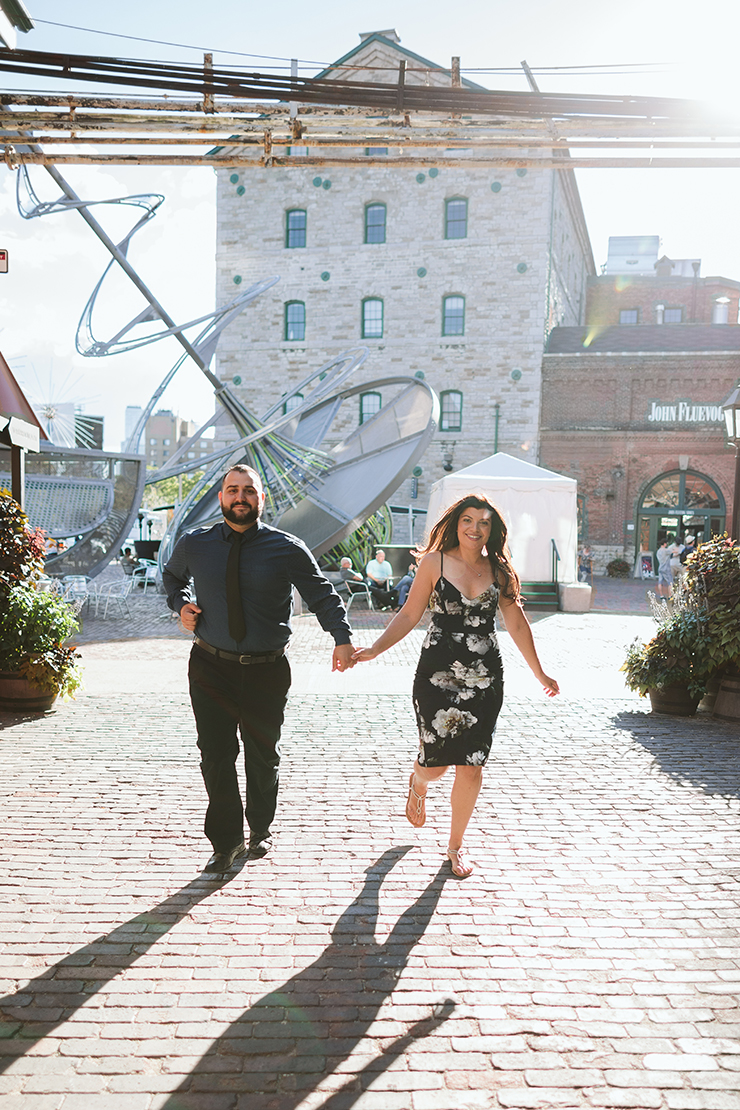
593, 960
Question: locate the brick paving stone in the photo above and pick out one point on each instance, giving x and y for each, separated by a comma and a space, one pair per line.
591, 961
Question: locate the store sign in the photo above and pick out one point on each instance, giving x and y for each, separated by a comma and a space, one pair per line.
685, 412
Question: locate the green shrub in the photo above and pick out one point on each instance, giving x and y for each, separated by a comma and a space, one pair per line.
618, 568
33, 627
677, 653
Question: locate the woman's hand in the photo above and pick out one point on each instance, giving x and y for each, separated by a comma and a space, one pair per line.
364, 655
549, 685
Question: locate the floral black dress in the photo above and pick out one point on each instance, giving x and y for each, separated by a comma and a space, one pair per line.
459, 683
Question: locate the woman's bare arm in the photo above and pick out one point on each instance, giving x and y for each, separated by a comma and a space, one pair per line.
520, 631
412, 612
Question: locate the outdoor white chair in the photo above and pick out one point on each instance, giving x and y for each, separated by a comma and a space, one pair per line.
145, 575
115, 591
78, 589
350, 592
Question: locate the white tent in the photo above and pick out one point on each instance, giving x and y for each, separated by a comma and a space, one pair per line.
537, 505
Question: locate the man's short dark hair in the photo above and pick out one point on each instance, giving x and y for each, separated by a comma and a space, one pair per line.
240, 468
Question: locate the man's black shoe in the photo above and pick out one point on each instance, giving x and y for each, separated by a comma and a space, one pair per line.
222, 861
259, 845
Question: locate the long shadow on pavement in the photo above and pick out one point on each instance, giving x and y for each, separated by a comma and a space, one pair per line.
36, 1010
281, 1048
698, 750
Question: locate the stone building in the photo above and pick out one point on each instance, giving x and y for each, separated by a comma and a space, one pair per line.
454, 272
632, 411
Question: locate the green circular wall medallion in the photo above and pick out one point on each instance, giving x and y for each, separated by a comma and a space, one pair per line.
521, 268
516, 374
325, 276
326, 184
421, 177
420, 375
434, 172
495, 186
417, 472
237, 279
521, 172
317, 182
241, 191
234, 178
236, 380
421, 272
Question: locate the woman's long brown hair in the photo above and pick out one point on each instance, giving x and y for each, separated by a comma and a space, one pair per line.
443, 537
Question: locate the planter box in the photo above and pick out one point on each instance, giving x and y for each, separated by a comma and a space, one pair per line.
575, 597
674, 700
17, 695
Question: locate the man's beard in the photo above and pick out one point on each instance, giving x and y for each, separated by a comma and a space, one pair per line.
241, 514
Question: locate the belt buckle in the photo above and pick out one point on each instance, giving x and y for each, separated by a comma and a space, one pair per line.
245, 660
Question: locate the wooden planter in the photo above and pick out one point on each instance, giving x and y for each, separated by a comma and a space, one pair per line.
713, 684
727, 705
674, 700
17, 695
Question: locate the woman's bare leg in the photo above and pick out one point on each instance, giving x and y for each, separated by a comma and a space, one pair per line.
418, 783
465, 791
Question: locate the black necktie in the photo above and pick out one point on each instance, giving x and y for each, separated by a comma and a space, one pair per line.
237, 627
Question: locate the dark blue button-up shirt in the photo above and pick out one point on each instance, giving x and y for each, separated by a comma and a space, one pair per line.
271, 563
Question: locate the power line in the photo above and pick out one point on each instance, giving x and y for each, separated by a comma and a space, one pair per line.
604, 69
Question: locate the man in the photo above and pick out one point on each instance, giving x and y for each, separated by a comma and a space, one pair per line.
244, 572
379, 573
350, 576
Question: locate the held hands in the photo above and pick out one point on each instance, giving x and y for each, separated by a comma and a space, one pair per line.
343, 658
364, 655
189, 616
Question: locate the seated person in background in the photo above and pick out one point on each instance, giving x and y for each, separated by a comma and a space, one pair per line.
351, 577
379, 572
404, 585
128, 561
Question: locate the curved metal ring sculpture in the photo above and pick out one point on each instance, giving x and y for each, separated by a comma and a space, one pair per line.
319, 484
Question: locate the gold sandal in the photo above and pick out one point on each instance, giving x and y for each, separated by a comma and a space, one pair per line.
415, 805
461, 866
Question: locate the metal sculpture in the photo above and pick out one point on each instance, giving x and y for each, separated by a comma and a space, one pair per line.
319, 485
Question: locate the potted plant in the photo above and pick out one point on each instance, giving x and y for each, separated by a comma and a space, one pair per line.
618, 568
712, 580
673, 667
35, 666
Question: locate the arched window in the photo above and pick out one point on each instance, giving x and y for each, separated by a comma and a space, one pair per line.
451, 411
453, 316
295, 321
370, 404
295, 227
374, 223
372, 318
293, 402
456, 218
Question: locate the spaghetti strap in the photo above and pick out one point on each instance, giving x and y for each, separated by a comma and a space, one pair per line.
441, 564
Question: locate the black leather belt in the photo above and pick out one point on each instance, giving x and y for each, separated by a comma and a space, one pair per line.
232, 657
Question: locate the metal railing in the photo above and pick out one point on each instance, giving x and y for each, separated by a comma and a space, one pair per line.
555, 559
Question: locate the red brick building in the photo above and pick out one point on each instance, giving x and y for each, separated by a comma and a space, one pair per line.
632, 412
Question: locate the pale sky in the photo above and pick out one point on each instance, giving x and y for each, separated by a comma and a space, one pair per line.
643, 48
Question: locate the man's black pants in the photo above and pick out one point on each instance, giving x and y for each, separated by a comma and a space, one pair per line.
225, 696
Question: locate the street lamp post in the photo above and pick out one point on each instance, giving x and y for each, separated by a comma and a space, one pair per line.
731, 410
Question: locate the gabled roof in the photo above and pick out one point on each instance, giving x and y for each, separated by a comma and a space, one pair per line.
380, 39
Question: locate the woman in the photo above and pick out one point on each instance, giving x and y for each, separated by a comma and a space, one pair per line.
464, 574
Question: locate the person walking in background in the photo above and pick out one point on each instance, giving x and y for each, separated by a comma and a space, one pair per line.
675, 550
244, 572
464, 575
584, 564
665, 574
379, 574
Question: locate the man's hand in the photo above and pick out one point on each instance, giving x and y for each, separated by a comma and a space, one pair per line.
189, 616
341, 659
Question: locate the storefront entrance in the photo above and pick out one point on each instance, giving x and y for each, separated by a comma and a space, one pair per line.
678, 504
